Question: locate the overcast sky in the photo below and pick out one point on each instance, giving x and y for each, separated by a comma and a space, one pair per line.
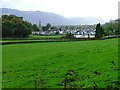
104, 9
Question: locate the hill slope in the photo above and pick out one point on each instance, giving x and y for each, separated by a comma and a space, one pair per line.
35, 16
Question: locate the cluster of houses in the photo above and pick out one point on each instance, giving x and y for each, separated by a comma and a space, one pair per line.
84, 32
76, 33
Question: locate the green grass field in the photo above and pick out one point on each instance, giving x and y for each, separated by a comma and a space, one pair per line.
44, 37
31, 38
91, 60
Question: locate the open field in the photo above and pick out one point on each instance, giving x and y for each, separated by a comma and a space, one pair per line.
91, 60
45, 37
31, 37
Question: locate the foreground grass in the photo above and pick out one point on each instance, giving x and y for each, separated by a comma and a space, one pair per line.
23, 63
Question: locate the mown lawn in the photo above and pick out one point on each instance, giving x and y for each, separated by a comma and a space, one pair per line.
91, 60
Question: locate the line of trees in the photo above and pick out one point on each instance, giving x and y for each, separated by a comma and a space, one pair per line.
109, 28
14, 26
112, 27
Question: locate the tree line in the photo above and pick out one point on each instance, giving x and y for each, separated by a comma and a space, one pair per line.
109, 28
112, 27
14, 26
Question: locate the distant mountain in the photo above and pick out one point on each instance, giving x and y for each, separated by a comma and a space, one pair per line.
35, 16
87, 20
46, 17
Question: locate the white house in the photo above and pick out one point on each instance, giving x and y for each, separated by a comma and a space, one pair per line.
36, 32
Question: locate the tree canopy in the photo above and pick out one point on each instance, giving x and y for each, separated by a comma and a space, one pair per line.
99, 31
35, 28
48, 26
112, 27
14, 26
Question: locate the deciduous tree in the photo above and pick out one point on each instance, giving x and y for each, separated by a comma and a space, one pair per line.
14, 26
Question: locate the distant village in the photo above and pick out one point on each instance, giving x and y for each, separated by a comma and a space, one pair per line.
79, 31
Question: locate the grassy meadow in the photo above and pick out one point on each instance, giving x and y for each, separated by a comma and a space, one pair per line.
44, 37
48, 63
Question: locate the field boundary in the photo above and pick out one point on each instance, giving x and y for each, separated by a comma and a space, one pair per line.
25, 40
40, 41
34, 41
